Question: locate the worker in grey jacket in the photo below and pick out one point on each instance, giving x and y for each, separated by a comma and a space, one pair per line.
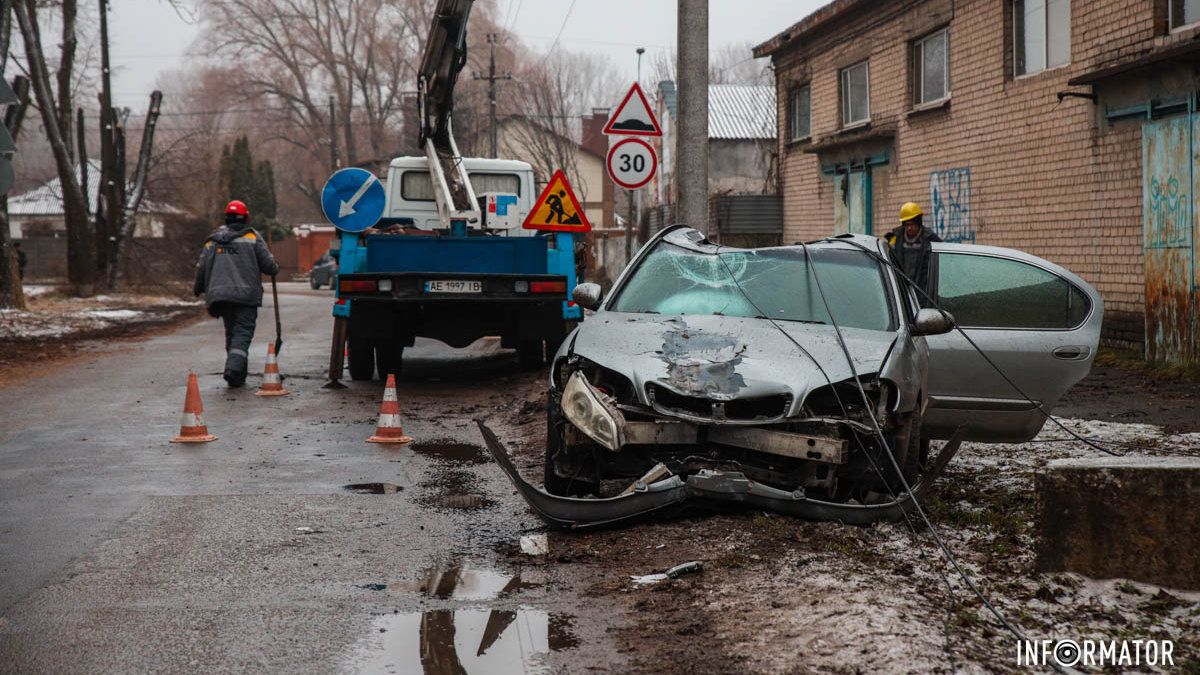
229, 274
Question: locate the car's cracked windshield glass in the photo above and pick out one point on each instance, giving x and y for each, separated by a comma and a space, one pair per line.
774, 283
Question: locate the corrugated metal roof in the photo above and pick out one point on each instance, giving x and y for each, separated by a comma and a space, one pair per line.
46, 200
738, 111
666, 91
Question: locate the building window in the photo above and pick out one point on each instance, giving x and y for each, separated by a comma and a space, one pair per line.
800, 113
1184, 13
931, 66
856, 94
1041, 34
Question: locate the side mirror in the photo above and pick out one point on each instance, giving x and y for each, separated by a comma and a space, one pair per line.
588, 295
931, 321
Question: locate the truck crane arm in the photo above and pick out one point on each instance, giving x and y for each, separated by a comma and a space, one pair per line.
444, 58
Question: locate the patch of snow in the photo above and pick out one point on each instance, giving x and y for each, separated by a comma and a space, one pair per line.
115, 314
34, 290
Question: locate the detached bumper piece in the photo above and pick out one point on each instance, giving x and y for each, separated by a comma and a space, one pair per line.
674, 493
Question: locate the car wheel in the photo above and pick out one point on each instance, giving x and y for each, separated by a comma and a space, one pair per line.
553, 483
313, 283
362, 359
529, 354
390, 360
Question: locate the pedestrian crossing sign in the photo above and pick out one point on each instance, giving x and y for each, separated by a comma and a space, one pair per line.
557, 209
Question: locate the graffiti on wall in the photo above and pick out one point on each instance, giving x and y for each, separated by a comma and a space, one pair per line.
1168, 217
950, 205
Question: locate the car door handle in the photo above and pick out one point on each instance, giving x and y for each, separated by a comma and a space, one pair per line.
1071, 353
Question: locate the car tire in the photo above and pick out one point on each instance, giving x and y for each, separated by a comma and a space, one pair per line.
362, 360
313, 283
530, 354
551, 481
389, 361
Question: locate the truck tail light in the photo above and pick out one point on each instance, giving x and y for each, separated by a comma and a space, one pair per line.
385, 285
548, 286
355, 286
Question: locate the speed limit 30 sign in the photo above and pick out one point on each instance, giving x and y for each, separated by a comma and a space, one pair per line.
631, 163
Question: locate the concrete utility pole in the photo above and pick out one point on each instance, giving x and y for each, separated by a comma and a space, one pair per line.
691, 156
491, 77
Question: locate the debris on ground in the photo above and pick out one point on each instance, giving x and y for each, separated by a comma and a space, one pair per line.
535, 544
673, 573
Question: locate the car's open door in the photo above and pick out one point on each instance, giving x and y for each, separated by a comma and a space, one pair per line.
1037, 321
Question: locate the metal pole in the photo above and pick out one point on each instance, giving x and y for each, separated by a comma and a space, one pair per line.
638, 193
691, 156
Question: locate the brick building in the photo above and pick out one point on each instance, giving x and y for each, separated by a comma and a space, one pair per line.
1068, 129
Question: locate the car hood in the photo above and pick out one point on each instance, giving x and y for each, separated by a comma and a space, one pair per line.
725, 358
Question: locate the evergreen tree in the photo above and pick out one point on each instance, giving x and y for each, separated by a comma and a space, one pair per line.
252, 183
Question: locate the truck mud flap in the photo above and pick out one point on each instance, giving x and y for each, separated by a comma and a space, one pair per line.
711, 486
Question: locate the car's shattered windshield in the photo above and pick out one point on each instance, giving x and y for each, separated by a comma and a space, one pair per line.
774, 283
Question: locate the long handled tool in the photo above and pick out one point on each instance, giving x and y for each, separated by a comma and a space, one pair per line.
278, 324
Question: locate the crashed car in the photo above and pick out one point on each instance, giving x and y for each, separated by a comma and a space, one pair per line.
719, 372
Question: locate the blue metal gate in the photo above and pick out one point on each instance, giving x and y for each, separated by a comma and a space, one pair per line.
1170, 189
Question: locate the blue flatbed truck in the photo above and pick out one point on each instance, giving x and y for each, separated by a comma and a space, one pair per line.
450, 259
409, 278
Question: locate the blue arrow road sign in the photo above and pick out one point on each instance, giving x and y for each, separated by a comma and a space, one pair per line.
353, 199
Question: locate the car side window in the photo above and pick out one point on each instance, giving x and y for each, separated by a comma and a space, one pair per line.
984, 291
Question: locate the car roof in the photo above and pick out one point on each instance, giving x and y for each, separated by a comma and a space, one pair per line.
692, 239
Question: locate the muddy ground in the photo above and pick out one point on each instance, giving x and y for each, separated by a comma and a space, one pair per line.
782, 595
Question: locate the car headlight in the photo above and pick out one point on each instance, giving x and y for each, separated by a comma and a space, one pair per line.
590, 413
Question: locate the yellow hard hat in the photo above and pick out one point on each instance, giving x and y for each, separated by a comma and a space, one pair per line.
909, 211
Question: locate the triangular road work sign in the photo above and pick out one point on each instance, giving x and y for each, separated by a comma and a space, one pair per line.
633, 117
557, 209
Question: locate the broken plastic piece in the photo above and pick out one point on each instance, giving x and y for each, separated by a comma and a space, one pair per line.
721, 486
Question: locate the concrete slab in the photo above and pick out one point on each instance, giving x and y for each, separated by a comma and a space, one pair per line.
1129, 517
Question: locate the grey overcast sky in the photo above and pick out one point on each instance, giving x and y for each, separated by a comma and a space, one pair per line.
148, 36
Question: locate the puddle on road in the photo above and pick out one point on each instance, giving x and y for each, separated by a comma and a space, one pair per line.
452, 452
373, 488
473, 639
453, 490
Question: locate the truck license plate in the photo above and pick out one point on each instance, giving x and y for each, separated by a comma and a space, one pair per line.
453, 286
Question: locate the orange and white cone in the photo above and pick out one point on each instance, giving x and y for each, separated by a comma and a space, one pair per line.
388, 430
192, 428
272, 385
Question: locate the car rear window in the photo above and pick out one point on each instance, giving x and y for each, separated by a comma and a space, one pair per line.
774, 283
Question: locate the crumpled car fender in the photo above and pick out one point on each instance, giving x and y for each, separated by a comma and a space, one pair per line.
673, 493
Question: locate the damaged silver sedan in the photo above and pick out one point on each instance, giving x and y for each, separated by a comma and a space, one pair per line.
807, 379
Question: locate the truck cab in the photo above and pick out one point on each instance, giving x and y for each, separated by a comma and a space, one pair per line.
410, 276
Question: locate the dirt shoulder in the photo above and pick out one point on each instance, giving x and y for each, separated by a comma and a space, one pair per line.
1122, 389
56, 330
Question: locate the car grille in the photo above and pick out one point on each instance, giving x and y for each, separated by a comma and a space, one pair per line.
756, 410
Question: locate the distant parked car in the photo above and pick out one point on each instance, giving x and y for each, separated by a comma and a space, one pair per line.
323, 272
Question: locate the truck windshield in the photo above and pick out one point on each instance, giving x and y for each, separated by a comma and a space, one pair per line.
761, 283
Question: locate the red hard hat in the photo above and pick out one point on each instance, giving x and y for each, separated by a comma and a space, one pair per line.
237, 208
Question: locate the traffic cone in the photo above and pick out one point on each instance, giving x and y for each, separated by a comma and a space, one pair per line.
272, 385
388, 430
192, 428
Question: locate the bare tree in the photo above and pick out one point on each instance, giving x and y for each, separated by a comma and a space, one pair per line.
734, 63
12, 294
57, 118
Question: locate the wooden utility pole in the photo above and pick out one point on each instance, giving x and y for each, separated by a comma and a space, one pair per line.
492, 77
333, 149
691, 156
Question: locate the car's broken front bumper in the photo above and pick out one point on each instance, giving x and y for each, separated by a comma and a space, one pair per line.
675, 492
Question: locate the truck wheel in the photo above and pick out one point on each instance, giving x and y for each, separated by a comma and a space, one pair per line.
362, 360
313, 283
529, 354
390, 360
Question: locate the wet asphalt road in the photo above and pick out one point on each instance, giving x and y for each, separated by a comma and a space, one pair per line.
121, 552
